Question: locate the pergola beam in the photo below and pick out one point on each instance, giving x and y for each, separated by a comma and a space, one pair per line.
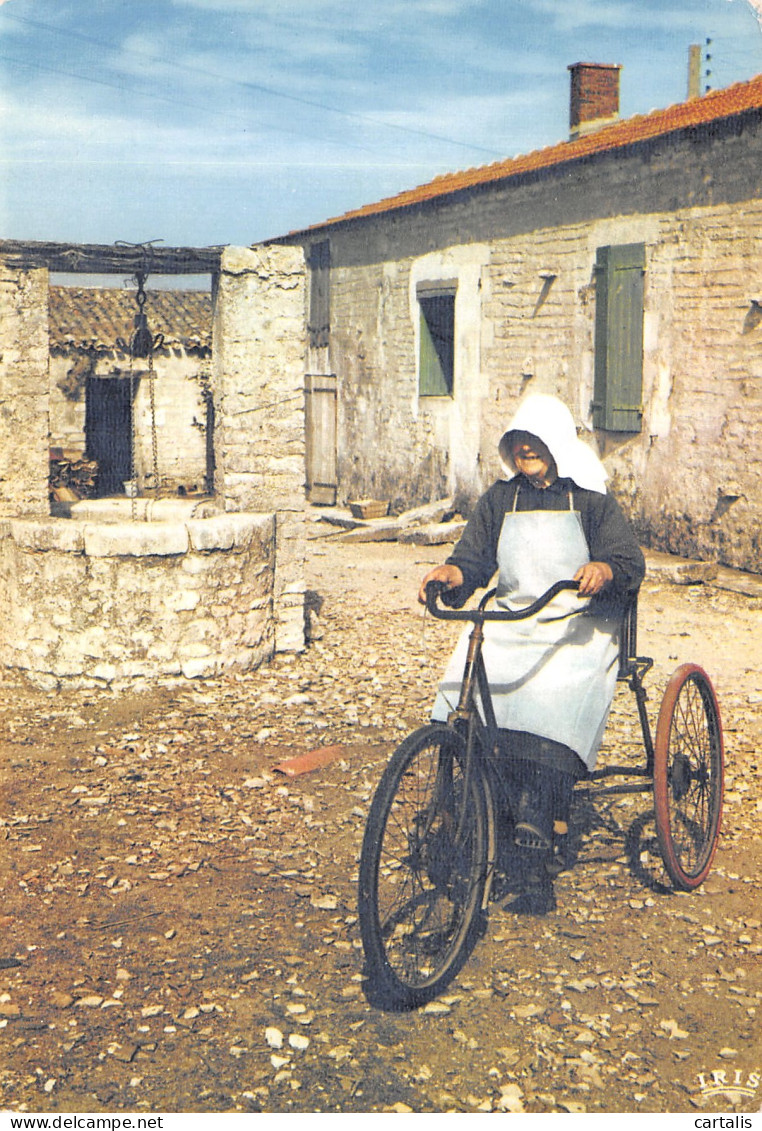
110, 259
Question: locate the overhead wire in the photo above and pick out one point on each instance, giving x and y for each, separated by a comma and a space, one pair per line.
247, 85
35, 65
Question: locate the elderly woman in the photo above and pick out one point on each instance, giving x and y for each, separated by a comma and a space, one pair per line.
552, 676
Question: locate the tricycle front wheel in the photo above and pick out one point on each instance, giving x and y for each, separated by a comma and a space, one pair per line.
422, 868
688, 776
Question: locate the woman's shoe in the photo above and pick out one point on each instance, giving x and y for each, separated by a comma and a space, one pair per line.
528, 835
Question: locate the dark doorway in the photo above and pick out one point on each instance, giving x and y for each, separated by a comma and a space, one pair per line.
108, 432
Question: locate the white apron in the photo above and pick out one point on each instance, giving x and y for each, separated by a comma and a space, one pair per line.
553, 674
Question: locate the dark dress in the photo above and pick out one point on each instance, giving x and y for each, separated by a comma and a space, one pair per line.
543, 772
609, 537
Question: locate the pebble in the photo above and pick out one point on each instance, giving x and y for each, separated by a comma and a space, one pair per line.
524, 1012
511, 1098
61, 1000
437, 1007
324, 902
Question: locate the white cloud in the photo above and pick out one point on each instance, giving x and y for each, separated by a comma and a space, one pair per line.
347, 13
614, 15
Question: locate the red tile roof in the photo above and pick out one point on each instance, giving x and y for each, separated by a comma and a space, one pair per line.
712, 107
94, 317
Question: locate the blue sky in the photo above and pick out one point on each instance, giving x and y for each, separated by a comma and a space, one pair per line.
200, 122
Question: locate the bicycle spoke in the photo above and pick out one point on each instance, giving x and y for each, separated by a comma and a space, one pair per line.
423, 861
688, 776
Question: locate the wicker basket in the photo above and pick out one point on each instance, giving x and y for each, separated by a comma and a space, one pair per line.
369, 508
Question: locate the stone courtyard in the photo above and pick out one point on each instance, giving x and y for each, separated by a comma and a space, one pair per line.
179, 912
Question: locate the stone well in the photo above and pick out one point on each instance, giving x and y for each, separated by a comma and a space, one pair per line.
102, 598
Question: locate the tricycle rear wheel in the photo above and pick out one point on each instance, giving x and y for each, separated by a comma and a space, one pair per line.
688, 776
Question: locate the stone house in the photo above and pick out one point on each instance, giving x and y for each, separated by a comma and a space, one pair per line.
620, 269
101, 408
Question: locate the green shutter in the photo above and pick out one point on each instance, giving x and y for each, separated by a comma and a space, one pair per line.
618, 391
319, 326
437, 345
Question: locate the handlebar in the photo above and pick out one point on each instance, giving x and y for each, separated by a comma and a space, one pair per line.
480, 615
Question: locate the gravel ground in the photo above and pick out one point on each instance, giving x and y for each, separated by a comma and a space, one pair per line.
179, 915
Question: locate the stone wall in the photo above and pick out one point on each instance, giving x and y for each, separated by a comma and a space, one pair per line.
98, 602
23, 391
523, 254
258, 378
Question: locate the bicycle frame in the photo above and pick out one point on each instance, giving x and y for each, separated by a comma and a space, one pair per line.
430, 849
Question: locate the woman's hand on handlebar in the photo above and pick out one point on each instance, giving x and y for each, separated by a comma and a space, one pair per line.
592, 577
449, 575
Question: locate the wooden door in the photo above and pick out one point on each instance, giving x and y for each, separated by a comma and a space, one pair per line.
320, 425
108, 431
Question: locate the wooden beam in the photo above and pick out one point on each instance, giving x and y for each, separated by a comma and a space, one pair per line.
110, 259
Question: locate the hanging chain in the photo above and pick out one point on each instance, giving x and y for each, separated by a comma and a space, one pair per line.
142, 344
133, 483
154, 443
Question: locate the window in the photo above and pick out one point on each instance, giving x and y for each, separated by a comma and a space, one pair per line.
437, 352
319, 327
618, 389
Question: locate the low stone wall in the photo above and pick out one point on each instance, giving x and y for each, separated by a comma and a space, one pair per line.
106, 603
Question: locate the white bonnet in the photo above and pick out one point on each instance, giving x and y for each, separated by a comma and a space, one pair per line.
549, 419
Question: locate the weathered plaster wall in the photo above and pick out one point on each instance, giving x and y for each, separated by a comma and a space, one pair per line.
107, 602
180, 414
391, 443
23, 391
258, 376
524, 257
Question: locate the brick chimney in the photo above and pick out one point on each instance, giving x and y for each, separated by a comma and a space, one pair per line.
594, 98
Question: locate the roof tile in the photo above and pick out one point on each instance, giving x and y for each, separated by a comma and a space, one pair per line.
713, 107
94, 317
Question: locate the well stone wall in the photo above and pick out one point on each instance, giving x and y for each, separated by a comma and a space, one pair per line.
109, 602
139, 589
23, 391
258, 376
